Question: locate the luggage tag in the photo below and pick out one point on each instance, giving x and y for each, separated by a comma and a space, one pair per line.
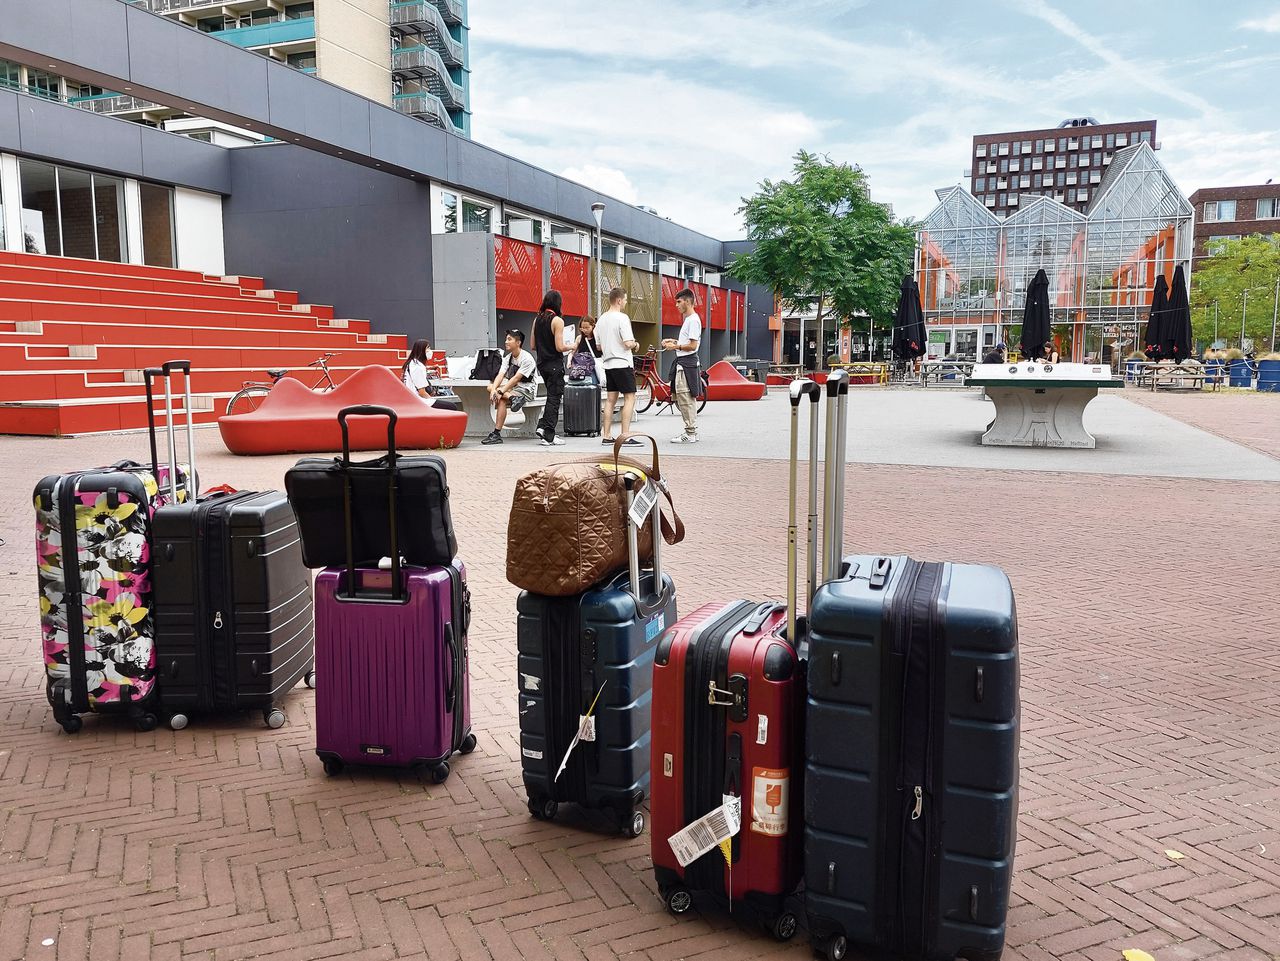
706, 833
642, 503
586, 731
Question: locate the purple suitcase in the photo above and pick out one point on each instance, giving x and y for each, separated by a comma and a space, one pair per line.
392, 684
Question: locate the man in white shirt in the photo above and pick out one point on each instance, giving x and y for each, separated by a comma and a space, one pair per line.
685, 375
515, 382
617, 347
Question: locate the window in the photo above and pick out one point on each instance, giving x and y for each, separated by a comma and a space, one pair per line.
609, 250
40, 227
302, 61
981, 150
1004, 150
980, 185
265, 16
1097, 158
1267, 209
1035, 181
1062, 143
1004, 166
1095, 177
1097, 142
42, 84
1015, 165
1048, 146
1111, 141
1072, 144
1084, 160
1219, 211
1218, 243
1039, 146
1071, 178
1122, 140
1146, 136
991, 167
449, 212
108, 206
1037, 163
1013, 200
475, 217
1082, 195
1026, 146
1060, 163
1003, 184
209, 24
1062, 180
1071, 161
1025, 181
524, 227
1071, 195
989, 200
299, 11
157, 225
569, 238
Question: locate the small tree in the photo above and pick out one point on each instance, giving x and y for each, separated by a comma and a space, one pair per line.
1250, 264
822, 241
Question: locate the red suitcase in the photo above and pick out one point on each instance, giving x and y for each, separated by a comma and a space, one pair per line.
728, 704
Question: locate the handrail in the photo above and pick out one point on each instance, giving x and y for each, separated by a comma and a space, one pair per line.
422, 55
408, 12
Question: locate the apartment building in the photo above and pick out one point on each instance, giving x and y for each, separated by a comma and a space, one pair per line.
407, 54
1065, 163
1229, 213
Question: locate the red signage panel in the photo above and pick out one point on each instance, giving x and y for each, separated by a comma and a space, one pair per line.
569, 276
517, 274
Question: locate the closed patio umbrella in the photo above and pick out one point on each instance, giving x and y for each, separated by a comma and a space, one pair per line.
1175, 335
908, 324
1153, 340
1035, 316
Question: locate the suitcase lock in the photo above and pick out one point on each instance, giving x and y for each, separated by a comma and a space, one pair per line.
735, 698
217, 621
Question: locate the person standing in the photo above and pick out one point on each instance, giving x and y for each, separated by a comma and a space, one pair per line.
686, 378
548, 350
618, 345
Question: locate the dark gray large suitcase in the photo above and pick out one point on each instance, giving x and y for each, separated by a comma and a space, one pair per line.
581, 408
911, 780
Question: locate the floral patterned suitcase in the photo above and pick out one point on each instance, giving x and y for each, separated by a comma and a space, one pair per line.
93, 548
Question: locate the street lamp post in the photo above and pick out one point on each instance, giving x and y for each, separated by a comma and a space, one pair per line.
1275, 311
597, 211
1215, 322
1243, 311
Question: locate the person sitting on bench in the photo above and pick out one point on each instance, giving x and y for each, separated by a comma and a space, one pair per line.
514, 386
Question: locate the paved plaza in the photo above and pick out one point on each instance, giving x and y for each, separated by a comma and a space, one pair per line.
1146, 580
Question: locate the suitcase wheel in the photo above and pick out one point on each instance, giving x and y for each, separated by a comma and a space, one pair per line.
274, 717
332, 766
632, 823
71, 724
146, 722
678, 900
468, 744
178, 721
543, 810
439, 772
310, 680
784, 927
833, 948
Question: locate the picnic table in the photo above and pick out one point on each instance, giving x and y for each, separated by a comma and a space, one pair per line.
939, 370
865, 372
1041, 405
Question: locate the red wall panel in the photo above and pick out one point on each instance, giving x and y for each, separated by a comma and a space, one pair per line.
517, 270
737, 310
670, 287
569, 276
718, 308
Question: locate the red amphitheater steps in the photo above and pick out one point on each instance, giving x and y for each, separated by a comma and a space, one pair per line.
76, 334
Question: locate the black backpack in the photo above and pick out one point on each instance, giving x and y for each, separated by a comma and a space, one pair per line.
488, 363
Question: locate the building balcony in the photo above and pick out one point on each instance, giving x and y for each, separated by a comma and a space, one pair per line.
168, 7
423, 106
424, 18
282, 35
124, 106
424, 64
452, 11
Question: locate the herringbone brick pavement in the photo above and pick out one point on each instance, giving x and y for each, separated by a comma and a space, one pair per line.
1148, 619
1244, 416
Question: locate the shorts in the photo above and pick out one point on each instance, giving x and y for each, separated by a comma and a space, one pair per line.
620, 380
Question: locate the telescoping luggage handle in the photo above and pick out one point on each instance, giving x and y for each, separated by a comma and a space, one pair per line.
833, 506
799, 390
633, 541
370, 410
166, 371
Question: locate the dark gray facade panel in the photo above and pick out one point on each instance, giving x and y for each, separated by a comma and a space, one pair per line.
404, 142
320, 111
345, 235
97, 39
168, 158
74, 136
759, 304
478, 168
531, 188
9, 135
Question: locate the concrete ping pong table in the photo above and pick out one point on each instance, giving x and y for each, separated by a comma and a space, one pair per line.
1041, 405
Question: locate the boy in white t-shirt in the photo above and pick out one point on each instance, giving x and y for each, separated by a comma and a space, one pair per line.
685, 375
617, 345
515, 382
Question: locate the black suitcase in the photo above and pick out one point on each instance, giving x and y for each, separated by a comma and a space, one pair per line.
233, 611
581, 408
424, 525
592, 654
911, 779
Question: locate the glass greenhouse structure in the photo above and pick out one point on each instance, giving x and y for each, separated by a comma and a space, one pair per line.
973, 267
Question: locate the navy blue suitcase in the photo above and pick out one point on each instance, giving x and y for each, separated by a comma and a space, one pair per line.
911, 778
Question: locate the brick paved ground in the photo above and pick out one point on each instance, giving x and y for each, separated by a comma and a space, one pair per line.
1244, 416
1150, 714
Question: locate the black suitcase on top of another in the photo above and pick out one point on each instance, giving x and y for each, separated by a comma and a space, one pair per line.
581, 408
911, 778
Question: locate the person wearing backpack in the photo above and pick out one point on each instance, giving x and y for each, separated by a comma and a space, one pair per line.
586, 352
549, 349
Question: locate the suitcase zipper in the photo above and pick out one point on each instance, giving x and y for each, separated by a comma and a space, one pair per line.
79, 682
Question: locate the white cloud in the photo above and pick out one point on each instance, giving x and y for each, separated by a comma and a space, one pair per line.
1269, 24
609, 180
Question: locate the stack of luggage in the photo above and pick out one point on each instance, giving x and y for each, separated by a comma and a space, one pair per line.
888, 716
587, 631
392, 607
156, 601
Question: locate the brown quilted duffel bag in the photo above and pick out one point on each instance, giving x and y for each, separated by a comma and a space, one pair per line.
568, 527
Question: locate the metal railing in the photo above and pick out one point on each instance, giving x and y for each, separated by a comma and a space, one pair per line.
424, 17
423, 58
113, 103
424, 106
451, 10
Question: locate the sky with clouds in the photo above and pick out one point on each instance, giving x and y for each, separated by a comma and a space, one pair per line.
686, 105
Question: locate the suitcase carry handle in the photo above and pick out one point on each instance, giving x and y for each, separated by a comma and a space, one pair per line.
450, 685
833, 508
371, 410
166, 370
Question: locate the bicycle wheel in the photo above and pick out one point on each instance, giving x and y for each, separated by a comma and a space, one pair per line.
702, 398
247, 399
644, 393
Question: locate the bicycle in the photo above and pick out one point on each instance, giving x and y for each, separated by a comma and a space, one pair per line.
650, 385
251, 395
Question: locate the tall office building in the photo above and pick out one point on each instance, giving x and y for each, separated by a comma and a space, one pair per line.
408, 54
1065, 163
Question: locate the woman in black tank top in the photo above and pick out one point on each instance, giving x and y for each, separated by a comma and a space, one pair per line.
549, 355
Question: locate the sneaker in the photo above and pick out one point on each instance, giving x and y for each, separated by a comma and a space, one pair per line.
607, 441
493, 438
633, 442
685, 439
554, 442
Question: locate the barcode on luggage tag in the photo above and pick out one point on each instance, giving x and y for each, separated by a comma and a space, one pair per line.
643, 503
655, 626
707, 832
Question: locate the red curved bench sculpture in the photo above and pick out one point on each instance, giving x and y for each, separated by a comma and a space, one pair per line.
296, 420
725, 383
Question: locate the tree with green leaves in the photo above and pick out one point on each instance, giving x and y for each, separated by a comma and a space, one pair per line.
1249, 265
822, 242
